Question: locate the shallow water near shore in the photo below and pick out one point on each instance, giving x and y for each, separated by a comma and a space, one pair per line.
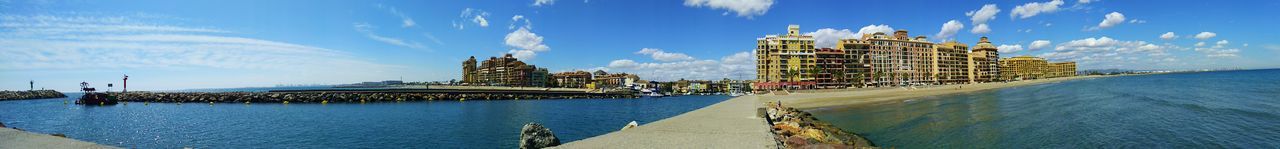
432, 124
1231, 109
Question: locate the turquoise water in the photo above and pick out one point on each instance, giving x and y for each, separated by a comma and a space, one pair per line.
1233, 109
435, 124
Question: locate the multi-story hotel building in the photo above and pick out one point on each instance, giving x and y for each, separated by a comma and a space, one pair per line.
984, 62
617, 80
951, 63
1028, 67
1023, 68
786, 60
1062, 69
897, 59
572, 79
880, 59
857, 64
505, 71
469, 71
831, 68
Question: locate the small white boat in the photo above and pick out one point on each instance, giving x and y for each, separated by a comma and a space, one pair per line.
650, 93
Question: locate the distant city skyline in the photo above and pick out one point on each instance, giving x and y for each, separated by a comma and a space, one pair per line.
170, 45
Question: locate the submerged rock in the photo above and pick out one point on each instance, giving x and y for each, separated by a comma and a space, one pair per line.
534, 136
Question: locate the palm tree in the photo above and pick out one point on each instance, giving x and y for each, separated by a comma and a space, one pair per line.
905, 76
838, 76
859, 76
879, 75
943, 75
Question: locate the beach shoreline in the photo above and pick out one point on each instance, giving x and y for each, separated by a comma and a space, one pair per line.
837, 98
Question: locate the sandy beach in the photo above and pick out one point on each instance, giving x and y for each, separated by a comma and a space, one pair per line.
871, 96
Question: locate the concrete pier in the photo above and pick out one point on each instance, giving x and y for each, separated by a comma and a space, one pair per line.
733, 123
11, 138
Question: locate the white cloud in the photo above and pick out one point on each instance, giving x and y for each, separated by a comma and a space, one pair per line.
739, 65
87, 42
1112, 19
1086, 1
949, 29
1200, 44
1168, 36
1136, 21
543, 2
367, 30
744, 8
1035, 8
523, 54
518, 19
623, 63
1219, 50
526, 43
828, 37
1009, 48
872, 29
479, 20
1206, 35
658, 54
476, 16
984, 14
1039, 44
981, 29
1103, 51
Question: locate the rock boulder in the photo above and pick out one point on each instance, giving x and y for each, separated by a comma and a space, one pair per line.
534, 136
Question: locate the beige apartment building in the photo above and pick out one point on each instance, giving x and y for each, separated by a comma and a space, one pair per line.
1023, 68
896, 59
785, 60
1062, 69
881, 59
984, 62
951, 63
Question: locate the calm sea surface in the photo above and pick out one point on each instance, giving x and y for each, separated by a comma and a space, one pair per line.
436, 124
1234, 109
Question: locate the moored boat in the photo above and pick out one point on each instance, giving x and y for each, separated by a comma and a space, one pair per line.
92, 98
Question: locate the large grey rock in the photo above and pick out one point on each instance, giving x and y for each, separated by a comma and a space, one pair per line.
2, 125
534, 136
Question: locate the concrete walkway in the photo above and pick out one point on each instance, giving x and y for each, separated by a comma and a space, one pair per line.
729, 124
11, 138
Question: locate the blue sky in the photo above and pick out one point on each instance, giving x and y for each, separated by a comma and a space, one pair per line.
166, 45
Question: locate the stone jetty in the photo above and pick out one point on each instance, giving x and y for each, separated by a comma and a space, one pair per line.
798, 129
347, 96
33, 94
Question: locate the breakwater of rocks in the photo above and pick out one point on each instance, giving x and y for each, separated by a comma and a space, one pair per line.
33, 94
343, 97
798, 129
